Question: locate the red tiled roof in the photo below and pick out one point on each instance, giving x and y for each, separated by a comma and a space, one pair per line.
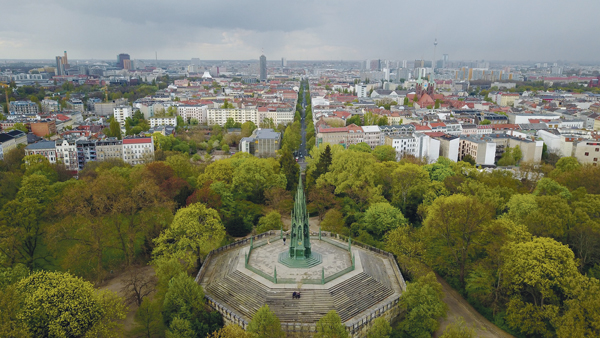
137, 140
333, 130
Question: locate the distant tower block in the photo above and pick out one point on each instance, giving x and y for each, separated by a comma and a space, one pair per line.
263, 68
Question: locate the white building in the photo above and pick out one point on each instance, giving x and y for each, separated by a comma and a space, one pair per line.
361, 90
418, 145
121, 113
66, 152
219, 115
49, 106
193, 112
163, 121
372, 136
138, 150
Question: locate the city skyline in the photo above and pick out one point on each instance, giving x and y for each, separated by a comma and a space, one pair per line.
511, 31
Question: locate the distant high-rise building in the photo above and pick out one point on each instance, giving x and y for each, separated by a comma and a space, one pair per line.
120, 60
60, 67
127, 64
445, 60
404, 64
263, 68
283, 62
65, 61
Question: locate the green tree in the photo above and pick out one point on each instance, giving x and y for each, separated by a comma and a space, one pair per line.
405, 101
230, 331
113, 130
381, 329
423, 304
271, 221
565, 165
253, 176
349, 169
56, 304
355, 119
381, 218
10, 308
405, 178
194, 232
517, 154
247, 128
458, 329
454, 224
485, 122
180, 328
384, 153
148, 319
581, 312
441, 169
322, 166
538, 275
469, 159
290, 168
185, 300
330, 326
362, 147
19, 126
333, 221
265, 324
548, 186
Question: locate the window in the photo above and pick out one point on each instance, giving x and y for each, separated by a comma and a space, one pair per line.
595, 159
587, 153
597, 149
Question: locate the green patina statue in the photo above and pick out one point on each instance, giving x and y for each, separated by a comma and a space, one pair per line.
300, 232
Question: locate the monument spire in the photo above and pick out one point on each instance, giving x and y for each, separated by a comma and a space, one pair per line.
300, 232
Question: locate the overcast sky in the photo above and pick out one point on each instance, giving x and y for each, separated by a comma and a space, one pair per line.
519, 30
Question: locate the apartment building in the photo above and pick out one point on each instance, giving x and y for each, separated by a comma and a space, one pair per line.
43, 128
418, 145
44, 148
587, 152
239, 115
480, 149
121, 113
22, 107
163, 121
138, 150
111, 148
193, 112
262, 143
372, 136
10, 140
66, 153
49, 106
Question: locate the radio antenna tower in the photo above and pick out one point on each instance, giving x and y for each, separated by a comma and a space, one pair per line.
433, 61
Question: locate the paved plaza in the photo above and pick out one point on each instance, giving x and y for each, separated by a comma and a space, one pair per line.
335, 259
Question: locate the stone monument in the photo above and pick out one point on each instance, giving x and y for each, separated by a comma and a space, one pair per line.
331, 272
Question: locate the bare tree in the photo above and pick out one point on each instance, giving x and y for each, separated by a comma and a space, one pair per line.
138, 285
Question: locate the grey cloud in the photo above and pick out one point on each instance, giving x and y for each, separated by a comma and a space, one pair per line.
329, 29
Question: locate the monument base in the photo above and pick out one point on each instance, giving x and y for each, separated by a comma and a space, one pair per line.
300, 263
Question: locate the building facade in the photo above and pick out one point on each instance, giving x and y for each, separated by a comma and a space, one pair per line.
138, 150
121, 113
23, 107
220, 115
66, 153
263, 68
